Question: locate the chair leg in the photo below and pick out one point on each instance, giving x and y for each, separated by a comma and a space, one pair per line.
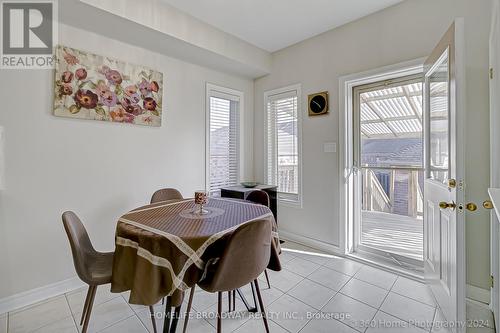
261, 304
188, 310
175, 319
153, 320
86, 305
89, 310
219, 312
254, 299
234, 300
168, 315
267, 279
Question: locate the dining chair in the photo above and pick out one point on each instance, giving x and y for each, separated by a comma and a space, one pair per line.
260, 197
237, 268
94, 268
166, 194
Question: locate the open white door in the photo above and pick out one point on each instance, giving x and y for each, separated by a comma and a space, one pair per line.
444, 230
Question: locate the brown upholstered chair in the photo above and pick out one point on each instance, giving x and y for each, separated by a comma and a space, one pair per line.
94, 268
237, 268
163, 195
260, 197
166, 194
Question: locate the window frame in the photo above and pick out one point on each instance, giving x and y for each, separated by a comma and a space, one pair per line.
213, 90
289, 199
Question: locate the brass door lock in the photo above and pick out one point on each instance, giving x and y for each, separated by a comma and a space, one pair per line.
488, 204
472, 207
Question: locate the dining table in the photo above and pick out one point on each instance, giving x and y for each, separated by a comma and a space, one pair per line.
164, 249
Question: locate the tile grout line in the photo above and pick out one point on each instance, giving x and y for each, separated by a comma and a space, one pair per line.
433, 319
280, 325
318, 310
336, 293
117, 322
69, 306
416, 300
97, 305
380, 307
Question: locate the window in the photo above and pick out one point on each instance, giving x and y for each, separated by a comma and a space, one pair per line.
283, 142
223, 137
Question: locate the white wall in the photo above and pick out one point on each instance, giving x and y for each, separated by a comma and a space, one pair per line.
100, 170
180, 35
403, 32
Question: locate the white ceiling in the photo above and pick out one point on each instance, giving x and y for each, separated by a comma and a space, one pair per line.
276, 24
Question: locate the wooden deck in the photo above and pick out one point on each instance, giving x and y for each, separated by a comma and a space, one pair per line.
392, 233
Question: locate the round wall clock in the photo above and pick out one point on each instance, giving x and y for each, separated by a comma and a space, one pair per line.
318, 103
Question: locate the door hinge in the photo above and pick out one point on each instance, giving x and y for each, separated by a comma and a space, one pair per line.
492, 281
491, 73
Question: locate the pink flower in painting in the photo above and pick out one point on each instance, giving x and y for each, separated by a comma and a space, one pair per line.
134, 109
66, 89
154, 86
70, 59
81, 73
103, 70
131, 90
86, 99
67, 76
149, 104
109, 99
102, 88
114, 77
120, 116
144, 88
130, 100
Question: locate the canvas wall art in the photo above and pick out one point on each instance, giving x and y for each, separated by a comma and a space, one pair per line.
89, 86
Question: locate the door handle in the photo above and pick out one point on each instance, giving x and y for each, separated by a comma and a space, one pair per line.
452, 183
444, 205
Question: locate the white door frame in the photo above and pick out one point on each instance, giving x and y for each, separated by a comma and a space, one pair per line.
494, 154
346, 134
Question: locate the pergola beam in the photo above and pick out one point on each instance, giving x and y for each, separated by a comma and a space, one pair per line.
382, 119
414, 107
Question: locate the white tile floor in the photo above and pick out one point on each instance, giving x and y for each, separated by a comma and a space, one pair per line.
314, 293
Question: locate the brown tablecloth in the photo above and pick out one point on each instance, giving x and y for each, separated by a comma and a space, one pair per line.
163, 249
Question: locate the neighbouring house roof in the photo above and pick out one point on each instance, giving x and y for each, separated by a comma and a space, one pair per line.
392, 152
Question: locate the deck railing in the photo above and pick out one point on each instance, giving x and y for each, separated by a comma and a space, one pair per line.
395, 190
288, 173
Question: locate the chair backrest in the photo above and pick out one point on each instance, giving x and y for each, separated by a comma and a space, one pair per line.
81, 246
245, 257
259, 197
166, 194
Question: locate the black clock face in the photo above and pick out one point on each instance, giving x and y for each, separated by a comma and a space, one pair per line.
318, 104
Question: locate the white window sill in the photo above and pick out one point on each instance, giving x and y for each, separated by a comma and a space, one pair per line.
290, 201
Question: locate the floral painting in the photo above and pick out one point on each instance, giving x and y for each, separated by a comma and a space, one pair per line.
90, 86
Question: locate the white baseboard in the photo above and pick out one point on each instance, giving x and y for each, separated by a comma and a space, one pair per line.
478, 294
36, 295
310, 242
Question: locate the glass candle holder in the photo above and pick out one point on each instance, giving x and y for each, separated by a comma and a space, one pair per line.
201, 199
